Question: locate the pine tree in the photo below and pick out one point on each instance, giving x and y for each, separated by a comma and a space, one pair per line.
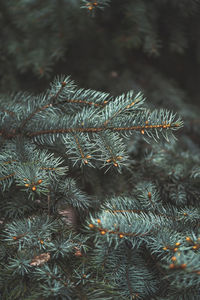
99, 191
137, 238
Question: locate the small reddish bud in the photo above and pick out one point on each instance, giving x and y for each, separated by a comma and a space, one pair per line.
171, 266
103, 232
119, 157
173, 258
78, 253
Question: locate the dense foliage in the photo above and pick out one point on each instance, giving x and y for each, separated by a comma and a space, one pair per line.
99, 186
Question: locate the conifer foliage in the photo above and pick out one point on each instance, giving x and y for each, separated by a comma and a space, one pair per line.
139, 243
99, 194
38, 37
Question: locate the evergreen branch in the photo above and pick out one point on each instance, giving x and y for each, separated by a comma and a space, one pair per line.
138, 211
83, 156
147, 127
6, 177
78, 148
93, 4
72, 195
129, 283
121, 104
89, 97
22, 169
140, 128
52, 280
121, 234
83, 102
13, 174
33, 114
11, 113
113, 151
87, 126
52, 100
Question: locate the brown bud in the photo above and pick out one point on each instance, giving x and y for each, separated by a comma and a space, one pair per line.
78, 253
103, 232
171, 266
173, 258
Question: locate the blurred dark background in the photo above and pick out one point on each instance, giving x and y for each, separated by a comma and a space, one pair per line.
112, 46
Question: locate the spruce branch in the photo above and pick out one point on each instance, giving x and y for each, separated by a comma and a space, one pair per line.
86, 128
93, 4
89, 129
